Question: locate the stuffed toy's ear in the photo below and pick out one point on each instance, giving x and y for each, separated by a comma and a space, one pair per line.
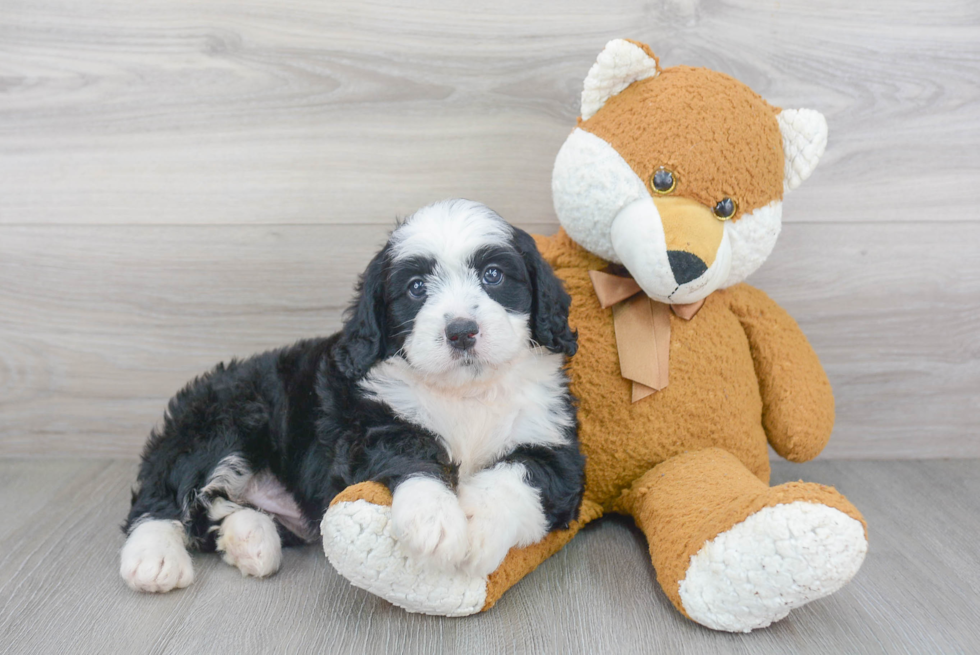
550, 302
619, 64
804, 141
362, 339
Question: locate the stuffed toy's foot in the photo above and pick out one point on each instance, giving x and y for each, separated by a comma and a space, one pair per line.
358, 541
734, 554
776, 560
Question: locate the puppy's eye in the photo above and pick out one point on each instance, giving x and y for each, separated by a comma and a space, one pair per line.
662, 181
725, 209
492, 276
416, 288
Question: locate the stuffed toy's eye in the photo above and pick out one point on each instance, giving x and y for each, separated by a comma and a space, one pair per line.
663, 181
725, 209
492, 276
416, 288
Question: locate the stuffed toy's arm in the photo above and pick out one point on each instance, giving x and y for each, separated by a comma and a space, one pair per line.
797, 401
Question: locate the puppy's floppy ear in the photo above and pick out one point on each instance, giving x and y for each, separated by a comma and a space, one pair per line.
550, 301
362, 339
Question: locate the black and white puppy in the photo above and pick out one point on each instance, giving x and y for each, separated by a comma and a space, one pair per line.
446, 384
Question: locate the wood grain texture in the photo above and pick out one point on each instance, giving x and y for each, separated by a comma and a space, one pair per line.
100, 325
270, 112
181, 182
60, 590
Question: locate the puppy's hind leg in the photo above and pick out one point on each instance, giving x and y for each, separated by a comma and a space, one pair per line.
155, 557
247, 538
170, 513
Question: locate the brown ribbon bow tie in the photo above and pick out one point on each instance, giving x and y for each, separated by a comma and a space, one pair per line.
642, 330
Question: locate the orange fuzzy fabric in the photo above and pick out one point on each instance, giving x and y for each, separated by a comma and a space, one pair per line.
521, 561
716, 136
715, 397
689, 500
373, 492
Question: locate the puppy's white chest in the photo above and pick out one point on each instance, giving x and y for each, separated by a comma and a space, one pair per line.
474, 431
481, 422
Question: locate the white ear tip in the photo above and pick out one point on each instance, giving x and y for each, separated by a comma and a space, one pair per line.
804, 133
618, 65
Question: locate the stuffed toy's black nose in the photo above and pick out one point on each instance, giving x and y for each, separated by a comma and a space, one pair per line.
461, 333
685, 266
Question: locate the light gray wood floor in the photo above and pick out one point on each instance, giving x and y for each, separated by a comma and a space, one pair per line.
60, 591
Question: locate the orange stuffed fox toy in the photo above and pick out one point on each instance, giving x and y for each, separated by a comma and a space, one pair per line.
669, 193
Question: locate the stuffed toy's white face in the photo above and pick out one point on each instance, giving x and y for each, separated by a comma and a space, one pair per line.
686, 227
675, 249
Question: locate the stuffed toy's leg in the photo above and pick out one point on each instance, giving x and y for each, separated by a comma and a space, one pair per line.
733, 553
357, 540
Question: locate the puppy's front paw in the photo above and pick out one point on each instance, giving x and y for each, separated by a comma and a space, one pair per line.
503, 512
154, 558
490, 538
428, 522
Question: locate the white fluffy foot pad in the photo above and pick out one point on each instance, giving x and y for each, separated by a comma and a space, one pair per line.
249, 540
774, 561
358, 542
155, 559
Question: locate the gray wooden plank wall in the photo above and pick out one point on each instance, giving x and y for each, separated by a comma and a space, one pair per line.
185, 182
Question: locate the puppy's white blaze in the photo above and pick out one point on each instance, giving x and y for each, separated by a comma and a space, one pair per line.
427, 520
480, 421
249, 540
459, 294
155, 558
503, 512
449, 230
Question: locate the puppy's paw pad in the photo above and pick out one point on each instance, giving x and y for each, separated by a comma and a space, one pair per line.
154, 558
249, 540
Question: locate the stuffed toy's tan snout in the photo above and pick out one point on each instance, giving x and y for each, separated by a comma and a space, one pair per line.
678, 174
674, 247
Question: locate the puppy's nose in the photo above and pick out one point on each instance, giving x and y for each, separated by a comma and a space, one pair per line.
461, 333
685, 266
